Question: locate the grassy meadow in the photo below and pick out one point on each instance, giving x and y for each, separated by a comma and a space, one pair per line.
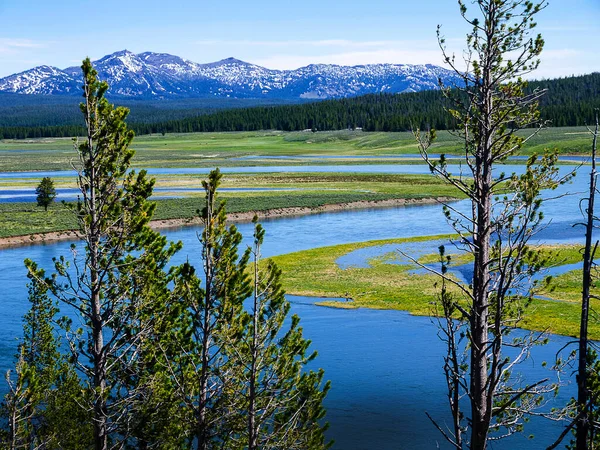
383, 285
223, 149
312, 272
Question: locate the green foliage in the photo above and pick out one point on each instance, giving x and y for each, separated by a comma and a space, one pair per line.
113, 286
282, 400
45, 193
314, 191
34, 111
152, 359
42, 406
223, 373
505, 213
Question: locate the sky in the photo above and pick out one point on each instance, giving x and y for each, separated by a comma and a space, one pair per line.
278, 34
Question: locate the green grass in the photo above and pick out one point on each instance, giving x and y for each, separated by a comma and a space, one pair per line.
18, 219
381, 286
218, 149
390, 286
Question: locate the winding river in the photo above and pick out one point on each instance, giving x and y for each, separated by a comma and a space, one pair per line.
385, 366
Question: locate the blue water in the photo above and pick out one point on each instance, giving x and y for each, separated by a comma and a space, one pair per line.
405, 252
386, 372
360, 257
344, 168
385, 366
339, 157
416, 156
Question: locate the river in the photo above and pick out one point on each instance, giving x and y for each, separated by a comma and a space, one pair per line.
385, 366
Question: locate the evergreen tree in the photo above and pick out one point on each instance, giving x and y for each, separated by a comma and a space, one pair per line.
239, 376
41, 407
199, 362
111, 284
45, 192
281, 402
571, 102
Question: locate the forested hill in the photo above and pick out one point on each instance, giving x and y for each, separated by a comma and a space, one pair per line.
568, 102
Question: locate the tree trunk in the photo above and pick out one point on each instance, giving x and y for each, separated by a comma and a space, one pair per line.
202, 426
583, 423
481, 404
480, 412
252, 428
100, 409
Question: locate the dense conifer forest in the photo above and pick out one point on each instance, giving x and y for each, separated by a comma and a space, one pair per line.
568, 102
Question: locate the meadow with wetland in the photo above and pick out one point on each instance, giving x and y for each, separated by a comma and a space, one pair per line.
356, 185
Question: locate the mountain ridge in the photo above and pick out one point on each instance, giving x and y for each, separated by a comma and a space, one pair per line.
162, 75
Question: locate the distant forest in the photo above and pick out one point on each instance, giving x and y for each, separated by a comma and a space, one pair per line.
569, 102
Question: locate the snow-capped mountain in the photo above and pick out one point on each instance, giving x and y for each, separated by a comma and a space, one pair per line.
160, 75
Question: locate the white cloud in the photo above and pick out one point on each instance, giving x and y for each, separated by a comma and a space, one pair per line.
555, 62
11, 46
352, 58
299, 53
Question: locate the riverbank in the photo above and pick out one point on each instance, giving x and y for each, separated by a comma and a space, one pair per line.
377, 275
242, 216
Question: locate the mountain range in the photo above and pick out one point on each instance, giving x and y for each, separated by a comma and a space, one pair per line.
160, 75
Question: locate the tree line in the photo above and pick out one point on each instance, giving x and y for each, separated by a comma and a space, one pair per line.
569, 102
40, 111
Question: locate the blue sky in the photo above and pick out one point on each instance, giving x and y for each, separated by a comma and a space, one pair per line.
279, 34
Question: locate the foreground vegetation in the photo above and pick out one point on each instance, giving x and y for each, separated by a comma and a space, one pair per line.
387, 285
148, 355
168, 338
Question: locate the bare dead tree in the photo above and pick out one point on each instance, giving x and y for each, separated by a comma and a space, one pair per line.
583, 409
450, 332
490, 106
583, 397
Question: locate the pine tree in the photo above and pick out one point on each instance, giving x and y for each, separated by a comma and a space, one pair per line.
199, 360
111, 283
45, 193
41, 407
280, 400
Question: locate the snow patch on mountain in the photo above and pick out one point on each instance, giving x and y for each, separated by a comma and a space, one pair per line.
155, 75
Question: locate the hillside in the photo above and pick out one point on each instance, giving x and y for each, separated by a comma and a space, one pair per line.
567, 102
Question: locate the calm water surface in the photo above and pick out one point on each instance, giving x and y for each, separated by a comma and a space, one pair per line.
71, 194
344, 168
